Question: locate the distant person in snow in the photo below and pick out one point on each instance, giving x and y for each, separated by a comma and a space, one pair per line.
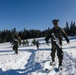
37, 44
16, 40
56, 34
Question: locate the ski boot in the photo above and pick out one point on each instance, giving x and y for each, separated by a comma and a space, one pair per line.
52, 63
60, 67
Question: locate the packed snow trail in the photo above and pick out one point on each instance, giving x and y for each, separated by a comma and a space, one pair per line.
18, 62
31, 61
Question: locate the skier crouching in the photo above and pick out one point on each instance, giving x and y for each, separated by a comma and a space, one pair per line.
56, 34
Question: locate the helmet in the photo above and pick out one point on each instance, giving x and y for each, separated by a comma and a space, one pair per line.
55, 21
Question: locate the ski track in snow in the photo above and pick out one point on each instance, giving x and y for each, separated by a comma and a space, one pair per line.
17, 62
32, 62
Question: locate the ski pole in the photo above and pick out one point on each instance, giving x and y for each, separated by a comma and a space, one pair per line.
42, 52
70, 50
71, 55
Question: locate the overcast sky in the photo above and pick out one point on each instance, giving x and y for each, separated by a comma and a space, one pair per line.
35, 14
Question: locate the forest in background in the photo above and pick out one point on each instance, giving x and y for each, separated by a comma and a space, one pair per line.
6, 35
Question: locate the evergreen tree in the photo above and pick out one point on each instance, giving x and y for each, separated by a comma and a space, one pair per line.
67, 30
72, 28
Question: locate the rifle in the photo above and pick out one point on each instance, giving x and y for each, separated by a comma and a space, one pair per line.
56, 40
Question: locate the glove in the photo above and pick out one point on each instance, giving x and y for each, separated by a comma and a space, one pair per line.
68, 41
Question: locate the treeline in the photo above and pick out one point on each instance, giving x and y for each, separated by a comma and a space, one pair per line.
6, 35
70, 29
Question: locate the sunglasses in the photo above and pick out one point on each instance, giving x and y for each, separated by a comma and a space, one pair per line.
55, 23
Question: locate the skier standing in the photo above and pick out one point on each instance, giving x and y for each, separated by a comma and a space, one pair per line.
16, 40
37, 44
56, 34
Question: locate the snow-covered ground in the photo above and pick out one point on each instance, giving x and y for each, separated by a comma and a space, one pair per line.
31, 61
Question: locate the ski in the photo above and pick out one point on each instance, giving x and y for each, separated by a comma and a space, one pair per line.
48, 70
49, 67
57, 69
